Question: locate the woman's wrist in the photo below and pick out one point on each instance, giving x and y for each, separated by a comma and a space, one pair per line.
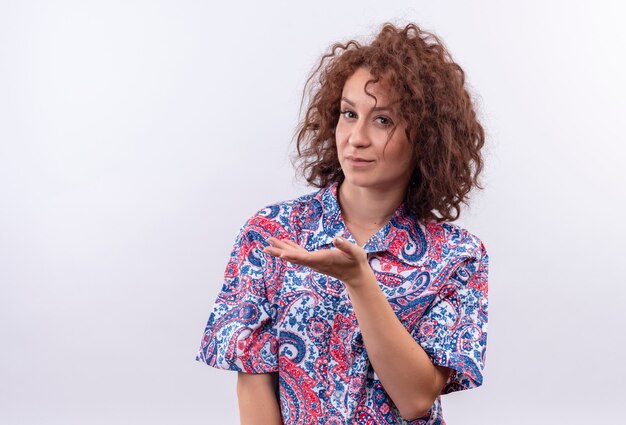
362, 277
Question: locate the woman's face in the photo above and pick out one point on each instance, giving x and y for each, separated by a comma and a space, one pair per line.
368, 157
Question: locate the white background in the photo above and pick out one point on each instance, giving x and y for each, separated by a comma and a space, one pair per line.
137, 136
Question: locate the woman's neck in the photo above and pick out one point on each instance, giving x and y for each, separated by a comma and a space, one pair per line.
367, 208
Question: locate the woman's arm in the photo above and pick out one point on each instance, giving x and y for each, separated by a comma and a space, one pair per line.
258, 403
406, 372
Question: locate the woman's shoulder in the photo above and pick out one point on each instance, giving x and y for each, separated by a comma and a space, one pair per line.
447, 239
284, 216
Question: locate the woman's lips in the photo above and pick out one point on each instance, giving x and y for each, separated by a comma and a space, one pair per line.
358, 162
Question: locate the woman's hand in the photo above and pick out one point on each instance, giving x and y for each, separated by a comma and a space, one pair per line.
347, 263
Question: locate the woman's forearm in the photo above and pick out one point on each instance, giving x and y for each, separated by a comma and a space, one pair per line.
258, 403
403, 367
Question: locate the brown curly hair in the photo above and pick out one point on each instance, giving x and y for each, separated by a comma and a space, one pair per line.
441, 123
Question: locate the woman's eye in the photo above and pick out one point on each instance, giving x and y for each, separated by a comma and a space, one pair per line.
347, 114
384, 121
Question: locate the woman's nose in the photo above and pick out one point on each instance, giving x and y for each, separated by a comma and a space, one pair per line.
358, 136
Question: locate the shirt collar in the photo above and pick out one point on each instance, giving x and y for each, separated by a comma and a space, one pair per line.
402, 236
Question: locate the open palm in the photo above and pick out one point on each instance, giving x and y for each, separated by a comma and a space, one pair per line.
345, 263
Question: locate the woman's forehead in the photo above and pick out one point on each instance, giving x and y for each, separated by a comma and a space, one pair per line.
355, 89
356, 84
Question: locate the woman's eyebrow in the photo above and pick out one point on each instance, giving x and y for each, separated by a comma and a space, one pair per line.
376, 109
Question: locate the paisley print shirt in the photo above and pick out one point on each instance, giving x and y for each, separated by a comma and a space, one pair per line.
274, 316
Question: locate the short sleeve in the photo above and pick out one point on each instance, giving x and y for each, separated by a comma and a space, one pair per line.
453, 330
240, 334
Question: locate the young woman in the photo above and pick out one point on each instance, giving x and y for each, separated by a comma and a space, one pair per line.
361, 303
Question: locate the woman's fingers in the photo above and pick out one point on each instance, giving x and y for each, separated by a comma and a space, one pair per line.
279, 243
280, 253
285, 244
292, 243
286, 249
346, 246
272, 250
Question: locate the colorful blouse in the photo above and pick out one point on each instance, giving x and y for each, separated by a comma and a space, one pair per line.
274, 316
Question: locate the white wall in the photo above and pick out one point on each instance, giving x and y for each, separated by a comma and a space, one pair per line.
137, 136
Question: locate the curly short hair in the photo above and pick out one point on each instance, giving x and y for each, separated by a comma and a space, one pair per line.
441, 123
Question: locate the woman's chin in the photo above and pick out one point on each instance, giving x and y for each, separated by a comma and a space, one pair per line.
357, 181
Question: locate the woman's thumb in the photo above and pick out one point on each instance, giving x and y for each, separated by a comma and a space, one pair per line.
343, 244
